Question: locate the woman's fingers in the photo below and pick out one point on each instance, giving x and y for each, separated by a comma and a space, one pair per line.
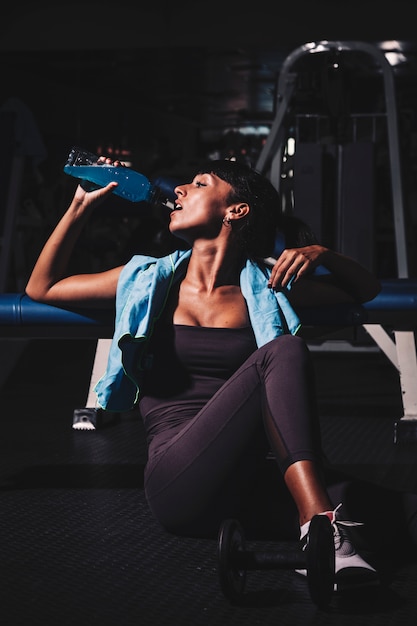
291, 265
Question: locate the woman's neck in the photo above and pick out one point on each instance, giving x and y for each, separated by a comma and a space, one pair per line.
212, 267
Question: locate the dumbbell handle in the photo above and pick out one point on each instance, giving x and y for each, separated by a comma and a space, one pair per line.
248, 560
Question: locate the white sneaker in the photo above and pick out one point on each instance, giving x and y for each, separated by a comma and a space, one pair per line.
351, 570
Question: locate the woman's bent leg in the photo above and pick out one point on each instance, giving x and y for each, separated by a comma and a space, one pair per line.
185, 478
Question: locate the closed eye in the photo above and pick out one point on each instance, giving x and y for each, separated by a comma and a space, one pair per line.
198, 183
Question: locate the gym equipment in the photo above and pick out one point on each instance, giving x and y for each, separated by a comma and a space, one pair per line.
328, 155
234, 561
335, 122
395, 307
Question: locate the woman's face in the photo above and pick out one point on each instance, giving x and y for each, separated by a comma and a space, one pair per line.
200, 208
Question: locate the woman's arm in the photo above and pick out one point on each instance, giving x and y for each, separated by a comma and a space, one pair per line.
49, 283
348, 280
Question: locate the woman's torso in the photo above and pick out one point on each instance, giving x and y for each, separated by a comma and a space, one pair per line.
188, 365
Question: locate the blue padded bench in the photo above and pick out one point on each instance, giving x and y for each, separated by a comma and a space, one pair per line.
390, 319
20, 316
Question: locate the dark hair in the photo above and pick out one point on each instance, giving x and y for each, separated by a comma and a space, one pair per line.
257, 231
297, 232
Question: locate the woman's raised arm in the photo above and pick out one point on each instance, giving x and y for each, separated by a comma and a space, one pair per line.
49, 283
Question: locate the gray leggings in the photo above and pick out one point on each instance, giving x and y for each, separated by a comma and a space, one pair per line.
203, 473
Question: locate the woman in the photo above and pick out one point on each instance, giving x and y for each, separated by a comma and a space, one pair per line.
205, 344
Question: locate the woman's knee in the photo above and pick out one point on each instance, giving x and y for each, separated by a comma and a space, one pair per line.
288, 348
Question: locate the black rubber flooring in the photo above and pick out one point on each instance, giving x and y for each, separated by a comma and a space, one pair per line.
79, 547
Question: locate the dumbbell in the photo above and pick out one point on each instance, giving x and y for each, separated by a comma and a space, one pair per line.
234, 561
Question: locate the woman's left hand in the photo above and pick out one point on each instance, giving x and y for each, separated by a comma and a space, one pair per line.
293, 263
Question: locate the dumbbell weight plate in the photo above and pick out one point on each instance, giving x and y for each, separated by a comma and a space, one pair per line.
320, 556
232, 578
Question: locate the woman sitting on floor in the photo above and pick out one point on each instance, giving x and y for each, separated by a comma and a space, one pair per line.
206, 346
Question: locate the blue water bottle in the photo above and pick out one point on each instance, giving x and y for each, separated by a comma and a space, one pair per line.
132, 185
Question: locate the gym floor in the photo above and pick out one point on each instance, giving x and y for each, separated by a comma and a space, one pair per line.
80, 547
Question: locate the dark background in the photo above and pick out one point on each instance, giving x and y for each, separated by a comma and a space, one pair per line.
166, 84
170, 83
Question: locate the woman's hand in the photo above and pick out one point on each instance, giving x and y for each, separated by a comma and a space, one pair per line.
294, 263
103, 160
85, 198
346, 278
93, 197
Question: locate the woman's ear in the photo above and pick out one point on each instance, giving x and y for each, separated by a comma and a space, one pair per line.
240, 210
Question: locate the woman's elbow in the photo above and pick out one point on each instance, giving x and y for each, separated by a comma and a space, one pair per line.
35, 292
370, 291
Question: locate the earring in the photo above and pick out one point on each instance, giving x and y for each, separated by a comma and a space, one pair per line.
227, 221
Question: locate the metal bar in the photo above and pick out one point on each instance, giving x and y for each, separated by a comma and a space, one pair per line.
406, 351
99, 366
384, 341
